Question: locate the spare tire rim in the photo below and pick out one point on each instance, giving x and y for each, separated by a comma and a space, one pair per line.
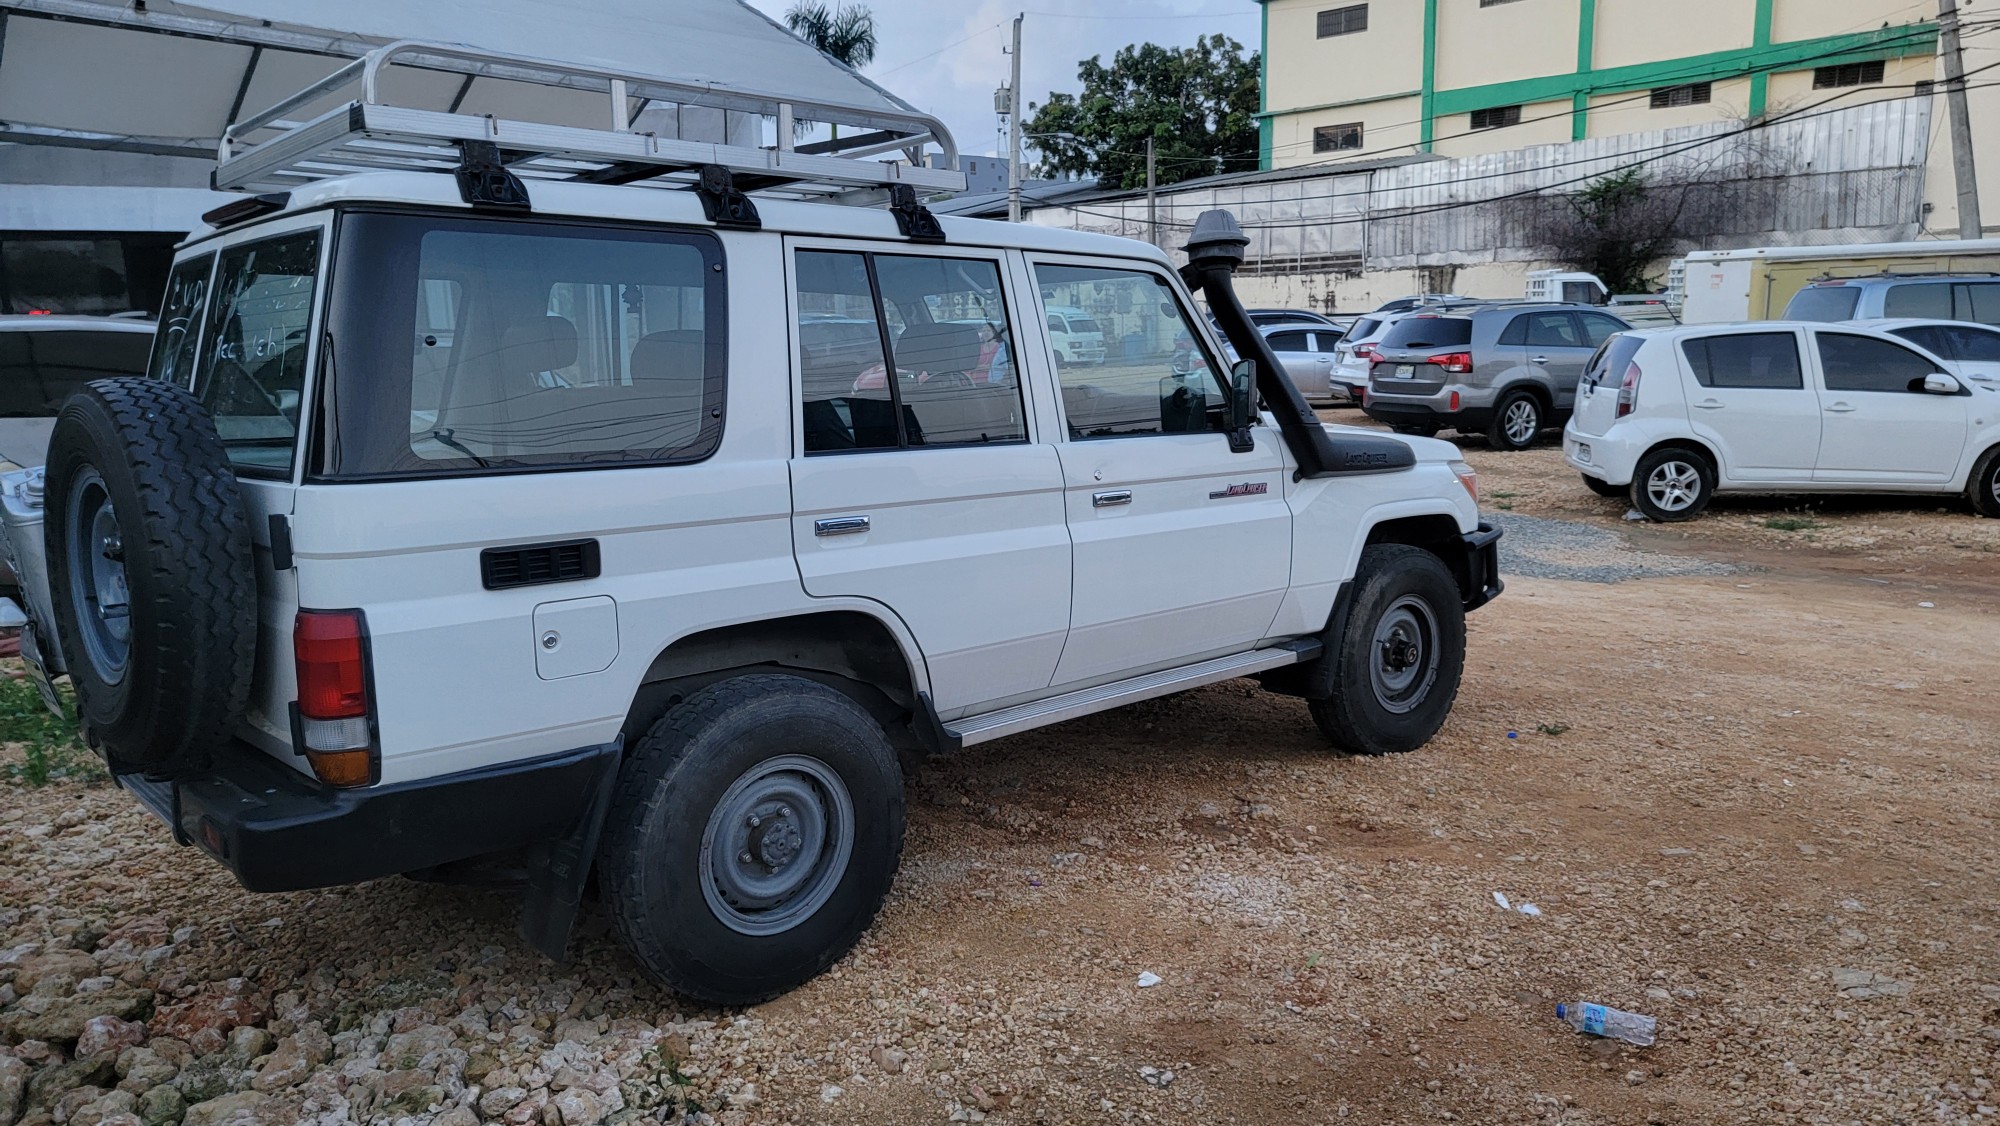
1406, 654
1674, 486
777, 845
1522, 422
101, 598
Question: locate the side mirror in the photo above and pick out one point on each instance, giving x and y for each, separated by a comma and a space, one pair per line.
1938, 383
1242, 400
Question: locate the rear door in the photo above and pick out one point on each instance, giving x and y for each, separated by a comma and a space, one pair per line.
1881, 426
1747, 397
1303, 360
1557, 349
928, 491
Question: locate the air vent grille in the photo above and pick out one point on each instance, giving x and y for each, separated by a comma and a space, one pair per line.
537, 563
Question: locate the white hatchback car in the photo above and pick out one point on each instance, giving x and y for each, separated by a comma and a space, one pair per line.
1671, 416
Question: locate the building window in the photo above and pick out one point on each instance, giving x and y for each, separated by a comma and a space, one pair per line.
1337, 138
1924, 88
1693, 94
1491, 3
1848, 74
1343, 21
1499, 117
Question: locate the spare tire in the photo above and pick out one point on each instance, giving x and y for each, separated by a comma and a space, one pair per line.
150, 574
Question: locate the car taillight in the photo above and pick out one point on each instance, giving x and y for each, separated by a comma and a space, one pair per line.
1457, 363
1628, 390
334, 725
1366, 352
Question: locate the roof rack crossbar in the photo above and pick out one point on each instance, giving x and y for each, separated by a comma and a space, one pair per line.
270, 149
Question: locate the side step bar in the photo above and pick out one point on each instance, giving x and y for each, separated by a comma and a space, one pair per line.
1041, 713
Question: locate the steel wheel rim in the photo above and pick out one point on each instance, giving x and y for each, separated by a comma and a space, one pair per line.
99, 594
1406, 653
1520, 422
776, 845
1673, 486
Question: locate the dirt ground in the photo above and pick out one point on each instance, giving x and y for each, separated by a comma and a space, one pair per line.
1757, 805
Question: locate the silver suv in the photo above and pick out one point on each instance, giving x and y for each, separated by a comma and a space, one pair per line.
1507, 371
1940, 297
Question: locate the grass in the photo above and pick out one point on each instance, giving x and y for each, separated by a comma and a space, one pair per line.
50, 750
1792, 523
1552, 728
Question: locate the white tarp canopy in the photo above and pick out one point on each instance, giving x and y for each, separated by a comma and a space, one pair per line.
163, 77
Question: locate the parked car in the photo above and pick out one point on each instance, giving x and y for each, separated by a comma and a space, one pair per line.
1418, 301
635, 594
1352, 354
1307, 353
1263, 318
1942, 297
1672, 416
1076, 335
45, 358
1972, 350
1507, 371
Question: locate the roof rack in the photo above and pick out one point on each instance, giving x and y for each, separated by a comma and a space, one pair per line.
268, 152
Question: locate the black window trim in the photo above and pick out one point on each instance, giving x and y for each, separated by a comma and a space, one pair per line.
869, 252
303, 441
320, 388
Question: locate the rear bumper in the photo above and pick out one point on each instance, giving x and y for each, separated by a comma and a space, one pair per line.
1425, 414
1609, 459
279, 830
1481, 582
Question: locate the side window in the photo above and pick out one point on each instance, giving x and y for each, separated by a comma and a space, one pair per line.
179, 333
1290, 342
253, 356
1516, 333
1931, 300
1979, 302
1552, 330
1973, 344
1932, 337
1863, 363
1156, 379
1768, 360
1056, 324
951, 348
1598, 328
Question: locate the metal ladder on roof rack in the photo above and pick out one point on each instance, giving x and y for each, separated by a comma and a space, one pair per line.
270, 152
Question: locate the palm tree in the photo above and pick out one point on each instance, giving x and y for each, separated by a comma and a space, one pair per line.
845, 33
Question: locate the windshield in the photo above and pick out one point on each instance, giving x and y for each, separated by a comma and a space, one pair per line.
1428, 332
1083, 324
1823, 303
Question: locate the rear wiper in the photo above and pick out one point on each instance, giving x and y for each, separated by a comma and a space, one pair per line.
443, 437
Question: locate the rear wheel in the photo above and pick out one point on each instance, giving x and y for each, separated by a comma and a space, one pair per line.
1517, 421
1984, 488
756, 831
1603, 488
1400, 657
1673, 484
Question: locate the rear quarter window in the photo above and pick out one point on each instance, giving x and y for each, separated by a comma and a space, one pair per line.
1429, 332
1826, 303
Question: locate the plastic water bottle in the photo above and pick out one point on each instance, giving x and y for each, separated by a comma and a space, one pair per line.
1602, 1020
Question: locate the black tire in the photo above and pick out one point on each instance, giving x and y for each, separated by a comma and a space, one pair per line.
1370, 711
1417, 429
1604, 488
1518, 419
141, 458
1984, 487
657, 872
1672, 484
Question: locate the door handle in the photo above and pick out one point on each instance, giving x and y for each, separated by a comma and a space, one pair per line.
1709, 405
1538, 359
1111, 498
840, 526
1840, 408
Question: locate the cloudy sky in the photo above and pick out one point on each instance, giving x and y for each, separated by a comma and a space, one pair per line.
947, 58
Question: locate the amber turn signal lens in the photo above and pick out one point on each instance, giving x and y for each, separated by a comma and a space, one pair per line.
342, 768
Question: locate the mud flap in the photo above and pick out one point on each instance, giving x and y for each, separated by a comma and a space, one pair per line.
558, 867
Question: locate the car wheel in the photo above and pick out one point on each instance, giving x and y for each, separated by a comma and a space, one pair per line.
1517, 421
1673, 484
1417, 429
755, 833
1984, 488
1603, 488
1400, 656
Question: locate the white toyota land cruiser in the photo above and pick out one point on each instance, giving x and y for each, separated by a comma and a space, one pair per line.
525, 509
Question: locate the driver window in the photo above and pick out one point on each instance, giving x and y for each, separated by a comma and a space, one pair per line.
1153, 377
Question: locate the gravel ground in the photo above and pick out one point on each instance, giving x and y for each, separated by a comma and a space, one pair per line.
1759, 806
1584, 553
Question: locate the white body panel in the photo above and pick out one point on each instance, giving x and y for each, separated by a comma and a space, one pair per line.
1718, 290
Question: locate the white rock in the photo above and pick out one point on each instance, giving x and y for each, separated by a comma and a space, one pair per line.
1148, 979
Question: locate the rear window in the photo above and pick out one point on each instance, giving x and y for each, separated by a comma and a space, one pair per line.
1363, 328
38, 370
1749, 359
474, 346
1824, 303
1429, 332
1611, 358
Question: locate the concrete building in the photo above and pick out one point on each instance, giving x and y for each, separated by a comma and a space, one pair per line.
1345, 78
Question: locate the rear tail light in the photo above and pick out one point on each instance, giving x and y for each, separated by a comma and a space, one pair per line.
1366, 353
1628, 390
336, 729
1457, 363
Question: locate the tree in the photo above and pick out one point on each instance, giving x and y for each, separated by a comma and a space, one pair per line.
1198, 104
845, 33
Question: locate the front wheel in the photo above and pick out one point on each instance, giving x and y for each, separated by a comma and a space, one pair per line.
1984, 489
1673, 484
1400, 657
755, 833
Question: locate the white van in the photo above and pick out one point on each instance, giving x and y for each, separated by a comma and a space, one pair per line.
1077, 336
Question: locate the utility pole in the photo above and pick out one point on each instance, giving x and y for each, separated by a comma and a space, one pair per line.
1969, 226
1152, 203
1014, 131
